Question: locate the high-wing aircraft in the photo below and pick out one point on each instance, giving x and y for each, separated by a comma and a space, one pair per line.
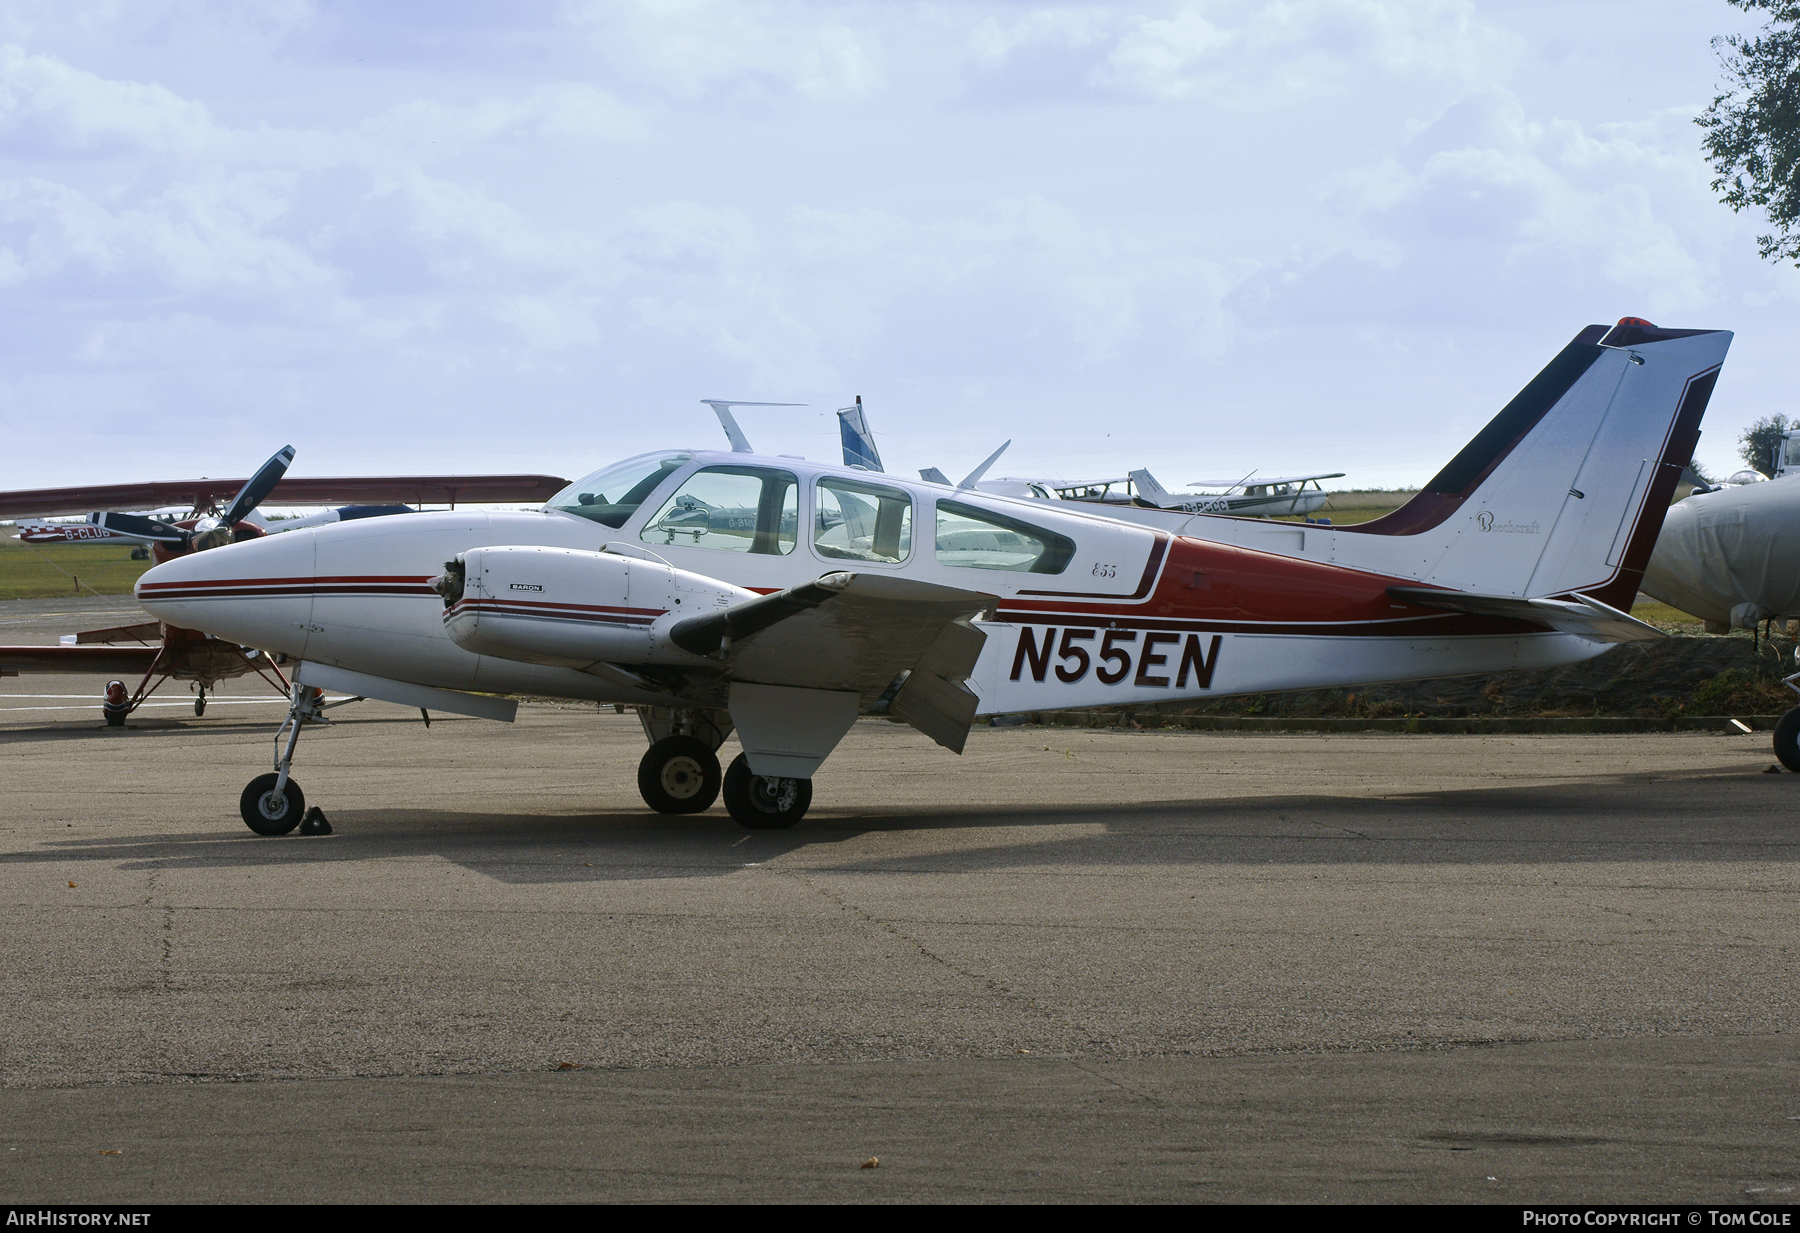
1262, 498
1286, 494
161, 651
930, 605
1247, 497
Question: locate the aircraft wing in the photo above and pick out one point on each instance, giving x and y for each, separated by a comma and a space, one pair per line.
906, 648
78, 660
1584, 617
1261, 480
360, 489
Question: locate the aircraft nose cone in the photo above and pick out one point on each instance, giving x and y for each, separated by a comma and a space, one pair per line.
258, 593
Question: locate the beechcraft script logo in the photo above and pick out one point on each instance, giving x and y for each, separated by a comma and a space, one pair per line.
1485, 520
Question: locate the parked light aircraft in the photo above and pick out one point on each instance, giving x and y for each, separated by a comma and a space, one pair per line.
161, 651
1730, 557
1263, 498
1287, 494
40, 531
932, 605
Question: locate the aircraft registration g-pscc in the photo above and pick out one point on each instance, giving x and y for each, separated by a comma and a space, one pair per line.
781, 599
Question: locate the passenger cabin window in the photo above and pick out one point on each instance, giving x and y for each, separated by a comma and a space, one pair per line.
733, 509
857, 521
611, 496
970, 538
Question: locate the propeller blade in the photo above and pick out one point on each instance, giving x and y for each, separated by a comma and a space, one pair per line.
139, 527
259, 486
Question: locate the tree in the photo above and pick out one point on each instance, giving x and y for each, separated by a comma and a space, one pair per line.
1756, 444
1753, 129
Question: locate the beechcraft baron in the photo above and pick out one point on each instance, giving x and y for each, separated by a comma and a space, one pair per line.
832, 592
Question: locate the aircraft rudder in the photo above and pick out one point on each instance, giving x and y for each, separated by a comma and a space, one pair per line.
1677, 454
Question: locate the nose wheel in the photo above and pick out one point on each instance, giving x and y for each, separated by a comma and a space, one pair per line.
273, 804
764, 802
679, 774
272, 808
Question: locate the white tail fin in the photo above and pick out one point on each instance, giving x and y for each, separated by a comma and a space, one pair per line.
1565, 490
1154, 493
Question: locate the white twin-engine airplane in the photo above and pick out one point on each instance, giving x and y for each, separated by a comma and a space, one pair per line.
780, 599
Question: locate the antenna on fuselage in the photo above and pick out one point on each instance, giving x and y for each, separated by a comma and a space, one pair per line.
740, 444
970, 480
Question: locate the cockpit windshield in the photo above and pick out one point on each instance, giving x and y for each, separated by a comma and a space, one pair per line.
611, 496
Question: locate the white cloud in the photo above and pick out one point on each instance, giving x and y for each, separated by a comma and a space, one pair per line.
691, 50
1195, 220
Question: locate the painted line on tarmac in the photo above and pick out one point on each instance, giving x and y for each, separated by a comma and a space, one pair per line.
144, 706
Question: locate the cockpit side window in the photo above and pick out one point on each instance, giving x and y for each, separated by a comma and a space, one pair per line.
858, 521
611, 496
971, 538
731, 509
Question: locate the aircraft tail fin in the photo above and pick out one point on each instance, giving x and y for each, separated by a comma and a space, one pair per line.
859, 442
1151, 492
1565, 490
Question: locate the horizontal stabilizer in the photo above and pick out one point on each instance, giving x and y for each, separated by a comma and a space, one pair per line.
1583, 617
1266, 480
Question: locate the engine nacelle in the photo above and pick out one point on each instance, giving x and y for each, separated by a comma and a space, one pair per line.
572, 608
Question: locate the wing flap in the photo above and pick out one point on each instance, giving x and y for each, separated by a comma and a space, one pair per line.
857, 633
1582, 616
936, 698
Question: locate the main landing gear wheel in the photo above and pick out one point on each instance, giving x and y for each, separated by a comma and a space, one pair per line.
267, 813
1787, 739
679, 774
764, 802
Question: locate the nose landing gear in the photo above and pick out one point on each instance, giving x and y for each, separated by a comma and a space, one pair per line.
273, 804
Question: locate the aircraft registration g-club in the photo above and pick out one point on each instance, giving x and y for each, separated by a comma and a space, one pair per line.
719, 592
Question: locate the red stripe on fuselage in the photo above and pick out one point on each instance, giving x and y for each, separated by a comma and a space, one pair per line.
1240, 590
600, 613
313, 582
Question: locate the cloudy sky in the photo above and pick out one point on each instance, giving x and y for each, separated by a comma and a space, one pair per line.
1203, 237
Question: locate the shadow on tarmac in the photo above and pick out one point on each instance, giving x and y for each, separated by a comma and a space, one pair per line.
1696, 817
